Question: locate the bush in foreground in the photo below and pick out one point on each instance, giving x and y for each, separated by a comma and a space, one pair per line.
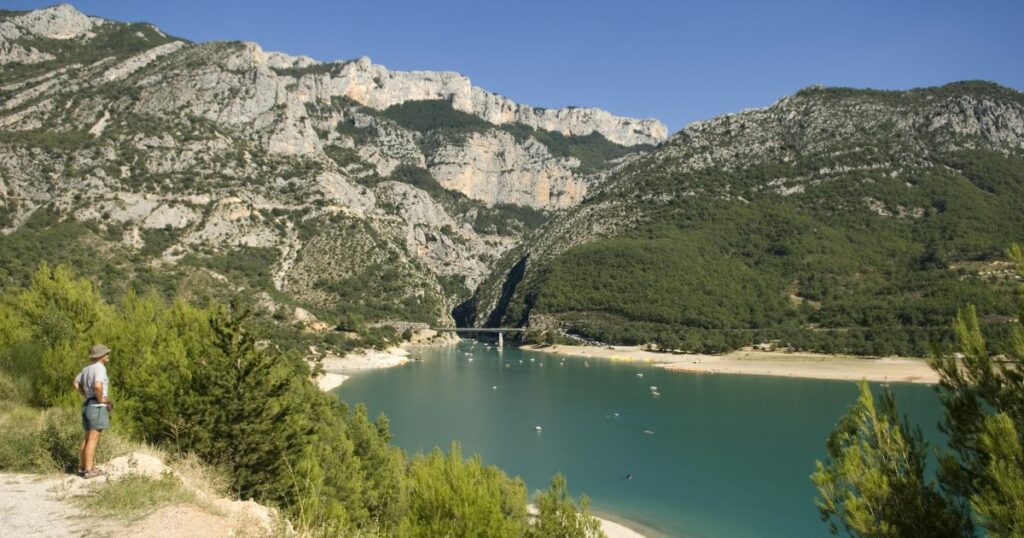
199, 381
875, 482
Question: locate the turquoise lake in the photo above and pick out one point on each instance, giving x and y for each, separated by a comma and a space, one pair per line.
713, 455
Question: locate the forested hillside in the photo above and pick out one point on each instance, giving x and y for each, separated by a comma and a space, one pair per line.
834, 220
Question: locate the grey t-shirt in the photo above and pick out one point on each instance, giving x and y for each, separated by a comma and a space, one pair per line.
88, 377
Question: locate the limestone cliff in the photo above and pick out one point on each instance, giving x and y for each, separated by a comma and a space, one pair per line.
377, 87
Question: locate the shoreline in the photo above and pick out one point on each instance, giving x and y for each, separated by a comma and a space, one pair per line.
749, 361
337, 369
615, 526
611, 526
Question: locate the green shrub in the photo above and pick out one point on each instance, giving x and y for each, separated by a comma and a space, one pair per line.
48, 440
134, 497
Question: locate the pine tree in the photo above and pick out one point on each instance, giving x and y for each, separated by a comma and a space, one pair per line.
452, 496
245, 414
999, 502
383, 469
873, 483
558, 515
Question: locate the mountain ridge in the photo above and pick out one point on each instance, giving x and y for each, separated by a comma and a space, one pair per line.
359, 79
754, 194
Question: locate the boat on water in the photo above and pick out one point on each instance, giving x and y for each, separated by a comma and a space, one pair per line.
538, 428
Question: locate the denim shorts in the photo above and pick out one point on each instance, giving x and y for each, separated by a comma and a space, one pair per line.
95, 417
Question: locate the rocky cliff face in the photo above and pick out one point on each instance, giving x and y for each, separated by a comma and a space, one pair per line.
376, 87
343, 187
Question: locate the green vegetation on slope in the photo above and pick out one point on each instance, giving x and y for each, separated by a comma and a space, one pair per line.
199, 381
439, 119
819, 270
134, 497
118, 40
434, 115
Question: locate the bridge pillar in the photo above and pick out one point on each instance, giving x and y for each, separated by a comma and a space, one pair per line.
501, 339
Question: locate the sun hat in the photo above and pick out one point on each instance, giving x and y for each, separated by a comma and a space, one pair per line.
98, 351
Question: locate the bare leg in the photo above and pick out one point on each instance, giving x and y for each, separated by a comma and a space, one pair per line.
81, 452
91, 440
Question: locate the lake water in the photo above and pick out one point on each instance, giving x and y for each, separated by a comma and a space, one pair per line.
714, 455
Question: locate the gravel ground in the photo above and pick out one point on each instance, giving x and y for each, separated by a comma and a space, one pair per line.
30, 506
37, 506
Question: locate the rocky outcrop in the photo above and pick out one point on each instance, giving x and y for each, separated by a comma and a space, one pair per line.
57, 22
15, 53
493, 167
377, 87
134, 63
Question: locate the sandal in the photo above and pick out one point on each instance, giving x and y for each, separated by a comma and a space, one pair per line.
93, 473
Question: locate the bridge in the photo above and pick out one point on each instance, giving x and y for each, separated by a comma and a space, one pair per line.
500, 331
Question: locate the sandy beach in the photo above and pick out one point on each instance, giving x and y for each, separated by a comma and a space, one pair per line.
329, 381
774, 363
610, 528
335, 367
617, 530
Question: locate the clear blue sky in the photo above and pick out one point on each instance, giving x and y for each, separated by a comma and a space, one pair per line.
677, 61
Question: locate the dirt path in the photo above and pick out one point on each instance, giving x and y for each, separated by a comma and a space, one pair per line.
37, 506
30, 506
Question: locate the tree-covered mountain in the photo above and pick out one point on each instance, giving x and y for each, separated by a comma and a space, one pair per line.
362, 195
834, 220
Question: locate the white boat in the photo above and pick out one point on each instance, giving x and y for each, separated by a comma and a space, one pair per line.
639, 375
471, 359
648, 432
655, 393
654, 389
495, 387
538, 428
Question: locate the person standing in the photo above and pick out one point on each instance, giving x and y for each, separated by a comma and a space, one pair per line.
94, 385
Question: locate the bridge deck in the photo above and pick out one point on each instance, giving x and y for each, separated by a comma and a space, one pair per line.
478, 330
